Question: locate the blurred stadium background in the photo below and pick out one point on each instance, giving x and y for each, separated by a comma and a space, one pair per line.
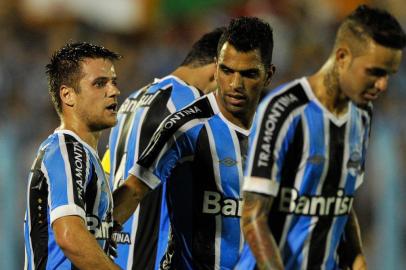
154, 36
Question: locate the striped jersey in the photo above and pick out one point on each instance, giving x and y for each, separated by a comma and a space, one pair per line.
143, 240
311, 162
66, 179
206, 152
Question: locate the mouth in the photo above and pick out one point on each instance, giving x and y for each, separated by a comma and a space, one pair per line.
237, 99
112, 107
371, 96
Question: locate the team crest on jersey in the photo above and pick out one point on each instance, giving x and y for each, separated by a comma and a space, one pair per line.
316, 159
354, 163
229, 162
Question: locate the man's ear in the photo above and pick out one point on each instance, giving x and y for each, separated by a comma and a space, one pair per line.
67, 95
269, 74
343, 56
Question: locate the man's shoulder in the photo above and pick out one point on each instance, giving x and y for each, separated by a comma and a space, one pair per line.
201, 109
65, 144
287, 97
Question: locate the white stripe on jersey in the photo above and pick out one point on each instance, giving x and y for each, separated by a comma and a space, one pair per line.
299, 176
68, 170
97, 199
217, 242
313, 221
240, 176
216, 171
112, 168
170, 106
29, 224
305, 153
216, 163
134, 227
281, 137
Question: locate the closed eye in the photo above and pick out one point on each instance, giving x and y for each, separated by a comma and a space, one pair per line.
377, 72
226, 70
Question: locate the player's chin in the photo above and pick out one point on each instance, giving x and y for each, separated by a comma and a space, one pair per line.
235, 109
107, 123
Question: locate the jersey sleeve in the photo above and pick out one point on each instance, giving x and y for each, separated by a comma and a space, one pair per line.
65, 166
366, 121
174, 139
159, 158
274, 129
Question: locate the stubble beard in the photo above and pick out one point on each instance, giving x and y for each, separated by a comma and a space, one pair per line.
330, 82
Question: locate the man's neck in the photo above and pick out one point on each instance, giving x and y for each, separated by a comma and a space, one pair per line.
191, 76
91, 138
325, 87
186, 74
242, 121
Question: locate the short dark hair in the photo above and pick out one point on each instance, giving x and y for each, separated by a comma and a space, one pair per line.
64, 67
377, 24
204, 50
249, 33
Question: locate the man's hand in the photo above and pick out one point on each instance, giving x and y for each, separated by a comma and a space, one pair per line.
111, 245
127, 197
110, 248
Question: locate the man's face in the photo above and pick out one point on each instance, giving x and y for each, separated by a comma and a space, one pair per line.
241, 77
96, 100
364, 77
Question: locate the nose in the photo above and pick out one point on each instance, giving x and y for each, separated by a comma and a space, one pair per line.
236, 82
113, 91
382, 83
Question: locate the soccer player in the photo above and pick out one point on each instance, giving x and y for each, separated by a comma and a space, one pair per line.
307, 155
69, 202
205, 144
143, 240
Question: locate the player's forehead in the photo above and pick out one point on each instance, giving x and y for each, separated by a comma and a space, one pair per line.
92, 68
230, 57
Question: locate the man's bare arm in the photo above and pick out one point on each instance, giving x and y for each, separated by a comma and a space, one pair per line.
127, 197
257, 233
79, 245
351, 245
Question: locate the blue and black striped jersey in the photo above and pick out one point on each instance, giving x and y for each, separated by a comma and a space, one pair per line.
66, 179
144, 238
311, 162
206, 152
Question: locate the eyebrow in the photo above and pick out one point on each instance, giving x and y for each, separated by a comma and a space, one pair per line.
256, 70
